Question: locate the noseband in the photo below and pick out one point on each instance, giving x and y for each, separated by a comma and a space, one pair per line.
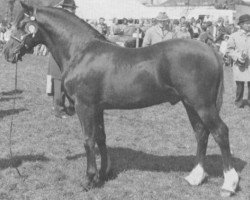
21, 42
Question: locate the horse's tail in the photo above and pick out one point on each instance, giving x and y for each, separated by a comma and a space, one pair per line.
220, 91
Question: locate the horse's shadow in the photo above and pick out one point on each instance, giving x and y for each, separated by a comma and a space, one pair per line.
5, 113
16, 161
5, 99
12, 92
126, 159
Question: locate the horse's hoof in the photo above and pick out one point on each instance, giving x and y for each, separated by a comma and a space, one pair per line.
196, 182
86, 187
95, 183
231, 183
197, 176
226, 193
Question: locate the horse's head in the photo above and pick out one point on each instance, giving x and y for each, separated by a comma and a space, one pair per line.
24, 36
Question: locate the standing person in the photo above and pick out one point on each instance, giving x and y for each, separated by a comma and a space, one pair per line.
159, 32
195, 30
130, 28
182, 20
175, 26
124, 24
115, 28
7, 33
221, 31
55, 75
2, 31
238, 48
102, 26
206, 35
183, 33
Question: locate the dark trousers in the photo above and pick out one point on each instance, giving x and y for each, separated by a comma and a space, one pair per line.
240, 91
59, 95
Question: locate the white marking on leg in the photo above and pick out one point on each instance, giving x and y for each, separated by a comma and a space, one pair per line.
231, 180
196, 176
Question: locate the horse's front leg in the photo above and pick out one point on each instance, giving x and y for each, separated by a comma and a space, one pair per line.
87, 119
100, 137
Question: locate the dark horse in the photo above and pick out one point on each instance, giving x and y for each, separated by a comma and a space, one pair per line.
99, 75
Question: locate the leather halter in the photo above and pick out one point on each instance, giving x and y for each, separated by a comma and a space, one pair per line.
21, 40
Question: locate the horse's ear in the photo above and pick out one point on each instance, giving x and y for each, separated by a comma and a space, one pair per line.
27, 9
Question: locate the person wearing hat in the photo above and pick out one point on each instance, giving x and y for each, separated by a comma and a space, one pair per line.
238, 49
158, 32
54, 77
69, 5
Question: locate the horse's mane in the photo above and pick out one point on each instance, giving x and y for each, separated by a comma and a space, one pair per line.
84, 24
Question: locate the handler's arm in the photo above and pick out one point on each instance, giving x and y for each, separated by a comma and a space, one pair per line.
231, 49
147, 39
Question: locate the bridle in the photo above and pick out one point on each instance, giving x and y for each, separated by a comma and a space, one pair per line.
28, 32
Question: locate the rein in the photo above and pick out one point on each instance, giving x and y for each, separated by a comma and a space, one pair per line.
11, 127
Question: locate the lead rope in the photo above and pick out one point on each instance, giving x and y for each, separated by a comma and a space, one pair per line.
11, 126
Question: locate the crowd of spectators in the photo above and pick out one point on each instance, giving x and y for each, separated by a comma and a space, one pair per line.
123, 30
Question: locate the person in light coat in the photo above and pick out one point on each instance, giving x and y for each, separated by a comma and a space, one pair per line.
159, 32
238, 49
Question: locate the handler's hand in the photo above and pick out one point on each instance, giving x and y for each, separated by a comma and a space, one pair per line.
241, 61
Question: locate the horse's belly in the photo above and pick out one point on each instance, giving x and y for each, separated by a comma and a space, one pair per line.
138, 96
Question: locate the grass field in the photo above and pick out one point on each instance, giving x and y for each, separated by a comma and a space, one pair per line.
151, 149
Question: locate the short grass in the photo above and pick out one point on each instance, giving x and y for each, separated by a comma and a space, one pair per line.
151, 149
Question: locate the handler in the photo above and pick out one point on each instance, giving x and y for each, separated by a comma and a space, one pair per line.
54, 72
158, 33
238, 48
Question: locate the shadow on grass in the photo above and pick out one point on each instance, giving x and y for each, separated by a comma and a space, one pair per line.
125, 159
12, 92
5, 113
5, 99
16, 161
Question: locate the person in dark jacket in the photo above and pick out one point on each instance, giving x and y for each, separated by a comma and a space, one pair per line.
206, 35
221, 31
60, 110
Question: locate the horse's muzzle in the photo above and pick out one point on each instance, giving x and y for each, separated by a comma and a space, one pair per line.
10, 57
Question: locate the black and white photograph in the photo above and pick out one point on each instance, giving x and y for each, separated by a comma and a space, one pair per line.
124, 99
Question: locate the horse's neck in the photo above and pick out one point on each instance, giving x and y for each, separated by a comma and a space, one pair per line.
64, 43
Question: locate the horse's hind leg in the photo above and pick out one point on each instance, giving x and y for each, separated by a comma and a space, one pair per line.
198, 174
219, 130
87, 119
100, 138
